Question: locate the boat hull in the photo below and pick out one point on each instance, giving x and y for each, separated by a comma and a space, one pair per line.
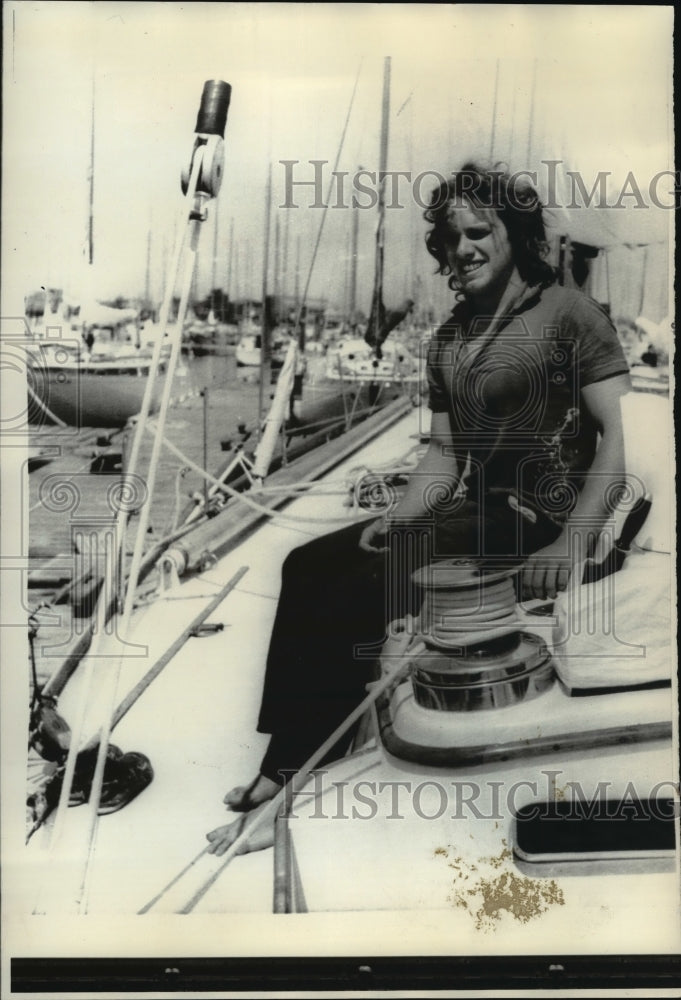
95, 395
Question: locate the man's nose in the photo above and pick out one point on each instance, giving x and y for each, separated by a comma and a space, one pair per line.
464, 248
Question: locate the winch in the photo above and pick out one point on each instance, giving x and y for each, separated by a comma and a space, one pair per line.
477, 655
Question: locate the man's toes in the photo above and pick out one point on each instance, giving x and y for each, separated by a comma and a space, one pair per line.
235, 796
248, 797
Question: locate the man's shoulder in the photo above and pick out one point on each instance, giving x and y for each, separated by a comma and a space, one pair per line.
454, 322
571, 302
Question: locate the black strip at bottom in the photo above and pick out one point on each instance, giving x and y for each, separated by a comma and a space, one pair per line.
174, 974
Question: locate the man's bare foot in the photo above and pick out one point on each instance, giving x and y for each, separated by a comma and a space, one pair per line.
244, 798
222, 838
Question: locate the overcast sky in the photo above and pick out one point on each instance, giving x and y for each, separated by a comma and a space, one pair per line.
597, 80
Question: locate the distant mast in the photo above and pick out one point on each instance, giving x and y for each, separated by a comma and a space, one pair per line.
213, 276
530, 129
265, 345
377, 308
277, 262
231, 295
147, 268
353, 265
495, 101
91, 183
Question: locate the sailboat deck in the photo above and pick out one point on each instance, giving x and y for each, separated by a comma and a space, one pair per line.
196, 721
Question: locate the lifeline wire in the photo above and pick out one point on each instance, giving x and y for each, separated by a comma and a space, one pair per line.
243, 497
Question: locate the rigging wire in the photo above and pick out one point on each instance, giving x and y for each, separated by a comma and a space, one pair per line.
98, 778
114, 559
301, 305
243, 497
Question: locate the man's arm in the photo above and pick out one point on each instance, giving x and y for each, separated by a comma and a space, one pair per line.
548, 570
438, 467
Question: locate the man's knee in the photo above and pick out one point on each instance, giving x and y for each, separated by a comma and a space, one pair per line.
296, 562
314, 558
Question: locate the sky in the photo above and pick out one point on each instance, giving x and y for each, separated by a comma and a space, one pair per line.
588, 85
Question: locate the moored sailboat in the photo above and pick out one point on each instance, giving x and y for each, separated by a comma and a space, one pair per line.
68, 384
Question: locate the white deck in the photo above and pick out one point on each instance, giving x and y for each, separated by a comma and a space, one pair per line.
196, 723
447, 849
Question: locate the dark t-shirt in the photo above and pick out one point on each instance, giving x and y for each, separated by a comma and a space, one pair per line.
513, 394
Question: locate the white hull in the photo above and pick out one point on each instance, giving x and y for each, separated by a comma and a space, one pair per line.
89, 396
352, 360
248, 351
88, 390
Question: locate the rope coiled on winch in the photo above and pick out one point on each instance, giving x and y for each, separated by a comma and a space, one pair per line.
459, 598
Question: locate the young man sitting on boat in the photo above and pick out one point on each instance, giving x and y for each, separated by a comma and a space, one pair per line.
523, 377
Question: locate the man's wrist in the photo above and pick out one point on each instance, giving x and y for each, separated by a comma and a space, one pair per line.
579, 540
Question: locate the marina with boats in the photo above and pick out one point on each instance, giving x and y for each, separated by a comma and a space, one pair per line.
177, 453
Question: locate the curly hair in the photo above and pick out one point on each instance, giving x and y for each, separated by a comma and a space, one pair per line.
516, 203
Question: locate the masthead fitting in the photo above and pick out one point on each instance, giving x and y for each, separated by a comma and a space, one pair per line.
212, 116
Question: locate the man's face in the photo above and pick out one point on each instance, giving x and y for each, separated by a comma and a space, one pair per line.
478, 251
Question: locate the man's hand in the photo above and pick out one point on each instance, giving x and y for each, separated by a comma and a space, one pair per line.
547, 571
372, 538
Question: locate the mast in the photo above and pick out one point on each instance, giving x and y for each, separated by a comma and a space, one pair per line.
247, 258
164, 267
277, 259
265, 349
346, 274
511, 140
353, 264
230, 260
377, 308
91, 182
213, 278
494, 113
296, 292
147, 269
643, 281
194, 290
530, 128
285, 290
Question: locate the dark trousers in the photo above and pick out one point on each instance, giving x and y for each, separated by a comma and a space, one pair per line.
336, 601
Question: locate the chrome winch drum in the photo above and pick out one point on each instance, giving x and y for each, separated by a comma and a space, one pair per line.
477, 657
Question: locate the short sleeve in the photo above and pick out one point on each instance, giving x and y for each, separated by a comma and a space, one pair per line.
437, 396
600, 353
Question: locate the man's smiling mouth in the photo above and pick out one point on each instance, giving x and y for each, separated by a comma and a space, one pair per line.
473, 266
